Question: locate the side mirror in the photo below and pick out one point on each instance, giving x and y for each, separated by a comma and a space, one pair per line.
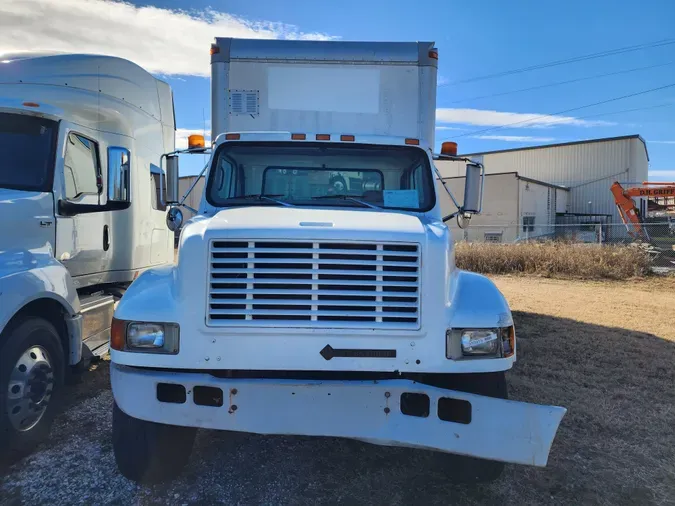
171, 179
174, 219
473, 189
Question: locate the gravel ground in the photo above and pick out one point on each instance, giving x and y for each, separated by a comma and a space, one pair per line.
603, 350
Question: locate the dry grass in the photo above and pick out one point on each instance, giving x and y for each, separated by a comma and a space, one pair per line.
554, 259
605, 351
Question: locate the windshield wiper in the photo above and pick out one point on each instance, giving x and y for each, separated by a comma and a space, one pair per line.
347, 197
260, 196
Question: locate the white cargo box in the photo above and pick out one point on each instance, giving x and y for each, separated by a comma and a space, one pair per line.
373, 88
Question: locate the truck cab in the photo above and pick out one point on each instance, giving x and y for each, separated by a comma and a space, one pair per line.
82, 216
316, 291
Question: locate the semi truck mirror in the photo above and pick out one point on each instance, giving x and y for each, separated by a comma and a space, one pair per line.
473, 189
171, 179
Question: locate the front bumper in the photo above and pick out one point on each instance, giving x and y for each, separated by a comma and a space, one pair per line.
503, 430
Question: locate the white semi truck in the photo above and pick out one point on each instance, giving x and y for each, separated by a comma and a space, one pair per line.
316, 291
81, 215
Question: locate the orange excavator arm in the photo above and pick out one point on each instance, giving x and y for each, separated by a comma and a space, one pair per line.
630, 215
653, 190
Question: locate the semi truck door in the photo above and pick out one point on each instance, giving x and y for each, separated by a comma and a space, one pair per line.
83, 240
27, 146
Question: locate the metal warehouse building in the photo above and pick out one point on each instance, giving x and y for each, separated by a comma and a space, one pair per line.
529, 188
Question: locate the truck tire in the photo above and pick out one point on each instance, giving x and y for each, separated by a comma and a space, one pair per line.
32, 367
148, 452
471, 469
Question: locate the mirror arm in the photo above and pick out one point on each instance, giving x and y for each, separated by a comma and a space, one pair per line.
447, 190
450, 216
452, 197
182, 201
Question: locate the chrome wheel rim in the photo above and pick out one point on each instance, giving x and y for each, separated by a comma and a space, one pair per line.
30, 388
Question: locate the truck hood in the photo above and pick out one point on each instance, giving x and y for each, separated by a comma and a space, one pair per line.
304, 223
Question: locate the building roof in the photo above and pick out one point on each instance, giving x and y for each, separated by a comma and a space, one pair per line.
543, 146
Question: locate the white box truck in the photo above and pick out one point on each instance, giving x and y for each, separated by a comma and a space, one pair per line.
316, 291
81, 141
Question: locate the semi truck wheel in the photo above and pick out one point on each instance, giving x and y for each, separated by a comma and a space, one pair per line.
470, 469
31, 377
148, 452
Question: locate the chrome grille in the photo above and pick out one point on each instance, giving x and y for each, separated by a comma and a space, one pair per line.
314, 284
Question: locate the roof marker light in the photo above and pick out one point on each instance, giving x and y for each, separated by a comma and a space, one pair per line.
449, 148
196, 141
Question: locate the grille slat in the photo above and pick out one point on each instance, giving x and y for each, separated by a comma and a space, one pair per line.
306, 284
286, 259
335, 272
303, 312
263, 291
326, 251
318, 302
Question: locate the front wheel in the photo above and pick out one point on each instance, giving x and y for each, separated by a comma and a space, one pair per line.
31, 376
471, 469
148, 452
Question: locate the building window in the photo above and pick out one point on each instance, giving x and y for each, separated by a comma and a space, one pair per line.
492, 237
158, 188
81, 168
528, 223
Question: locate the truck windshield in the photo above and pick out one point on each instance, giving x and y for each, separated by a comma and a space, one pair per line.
317, 174
27, 145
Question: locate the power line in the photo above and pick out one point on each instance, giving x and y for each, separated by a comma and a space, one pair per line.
539, 117
669, 104
602, 54
657, 106
559, 83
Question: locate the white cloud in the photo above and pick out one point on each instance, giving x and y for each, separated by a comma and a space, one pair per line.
662, 175
182, 135
172, 42
514, 138
442, 81
482, 117
442, 127
661, 142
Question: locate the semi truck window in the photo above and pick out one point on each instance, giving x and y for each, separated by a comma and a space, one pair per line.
158, 188
27, 152
119, 174
80, 167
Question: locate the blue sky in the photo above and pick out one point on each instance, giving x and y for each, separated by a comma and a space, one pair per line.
486, 37
476, 38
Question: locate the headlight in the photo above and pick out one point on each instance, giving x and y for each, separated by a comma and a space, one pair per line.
480, 343
144, 337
